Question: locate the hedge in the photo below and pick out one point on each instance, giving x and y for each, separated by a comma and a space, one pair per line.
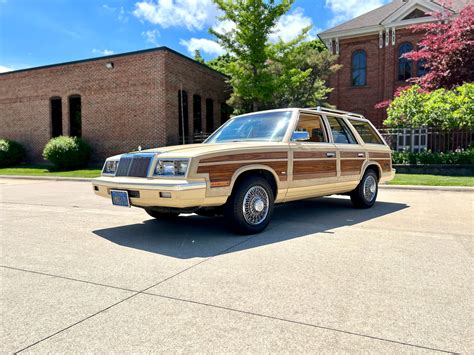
427, 157
11, 153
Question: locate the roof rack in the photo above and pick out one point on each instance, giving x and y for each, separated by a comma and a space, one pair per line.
319, 108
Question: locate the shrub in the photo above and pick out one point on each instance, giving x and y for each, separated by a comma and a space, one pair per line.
11, 153
444, 109
67, 152
427, 157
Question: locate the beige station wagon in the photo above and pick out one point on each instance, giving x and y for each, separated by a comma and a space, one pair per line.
252, 162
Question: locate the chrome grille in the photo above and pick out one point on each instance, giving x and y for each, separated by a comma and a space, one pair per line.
134, 165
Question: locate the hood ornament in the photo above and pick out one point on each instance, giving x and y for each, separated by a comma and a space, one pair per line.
139, 148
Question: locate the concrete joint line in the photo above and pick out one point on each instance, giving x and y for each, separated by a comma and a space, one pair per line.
297, 322
129, 297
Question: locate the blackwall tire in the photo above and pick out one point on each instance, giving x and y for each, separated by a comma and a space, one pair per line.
250, 207
365, 194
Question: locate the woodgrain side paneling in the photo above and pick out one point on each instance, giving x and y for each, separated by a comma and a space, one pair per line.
312, 155
351, 166
221, 175
246, 156
352, 154
385, 164
373, 155
313, 169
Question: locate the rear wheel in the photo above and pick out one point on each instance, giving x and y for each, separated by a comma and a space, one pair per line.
365, 194
162, 215
250, 207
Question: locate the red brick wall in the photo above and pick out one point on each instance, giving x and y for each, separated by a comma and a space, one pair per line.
195, 80
382, 72
122, 108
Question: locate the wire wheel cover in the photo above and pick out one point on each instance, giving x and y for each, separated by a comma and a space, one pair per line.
255, 205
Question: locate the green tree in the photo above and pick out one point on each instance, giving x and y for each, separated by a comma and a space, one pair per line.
198, 57
302, 70
221, 63
252, 82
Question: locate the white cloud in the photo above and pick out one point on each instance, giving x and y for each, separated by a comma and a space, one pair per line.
289, 26
224, 26
192, 14
102, 52
118, 11
345, 10
4, 69
203, 44
151, 36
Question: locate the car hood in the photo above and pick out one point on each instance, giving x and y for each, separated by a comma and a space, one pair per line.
195, 150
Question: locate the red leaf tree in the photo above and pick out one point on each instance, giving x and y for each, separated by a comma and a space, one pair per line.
447, 50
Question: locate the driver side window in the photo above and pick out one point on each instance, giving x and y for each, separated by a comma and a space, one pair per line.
314, 128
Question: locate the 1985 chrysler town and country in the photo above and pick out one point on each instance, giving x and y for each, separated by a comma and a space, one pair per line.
252, 162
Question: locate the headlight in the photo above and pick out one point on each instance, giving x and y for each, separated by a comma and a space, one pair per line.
171, 167
110, 167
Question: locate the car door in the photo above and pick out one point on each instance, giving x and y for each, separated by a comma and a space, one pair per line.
313, 158
352, 155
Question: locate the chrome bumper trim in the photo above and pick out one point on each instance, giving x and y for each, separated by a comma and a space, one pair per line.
149, 184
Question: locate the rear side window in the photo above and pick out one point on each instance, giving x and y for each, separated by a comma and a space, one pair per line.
340, 132
366, 132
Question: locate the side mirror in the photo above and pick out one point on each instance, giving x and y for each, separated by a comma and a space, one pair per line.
300, 136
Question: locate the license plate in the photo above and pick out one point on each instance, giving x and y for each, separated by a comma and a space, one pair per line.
120, 198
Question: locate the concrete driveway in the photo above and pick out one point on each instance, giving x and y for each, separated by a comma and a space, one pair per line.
79, 275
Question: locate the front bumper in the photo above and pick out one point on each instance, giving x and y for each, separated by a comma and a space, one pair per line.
145, 192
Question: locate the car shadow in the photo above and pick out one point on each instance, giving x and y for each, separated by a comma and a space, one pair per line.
192, 236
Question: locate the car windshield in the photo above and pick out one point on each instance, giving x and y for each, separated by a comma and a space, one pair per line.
264, 126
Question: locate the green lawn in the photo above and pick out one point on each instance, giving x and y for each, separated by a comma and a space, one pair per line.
41, 170
432, 180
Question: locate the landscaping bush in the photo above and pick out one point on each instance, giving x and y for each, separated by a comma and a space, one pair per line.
427, 157
11, 153
67, 152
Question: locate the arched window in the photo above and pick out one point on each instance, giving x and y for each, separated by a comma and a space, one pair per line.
359, 68
197, 117
421, 69
56, 116
75, 116
404, 65
183, 116
225, 112
209, 115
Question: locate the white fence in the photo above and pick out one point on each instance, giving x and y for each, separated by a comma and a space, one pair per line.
419, 139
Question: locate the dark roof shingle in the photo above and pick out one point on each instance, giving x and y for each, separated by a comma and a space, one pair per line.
378, 15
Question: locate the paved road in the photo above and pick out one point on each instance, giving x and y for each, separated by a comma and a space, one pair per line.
78, 275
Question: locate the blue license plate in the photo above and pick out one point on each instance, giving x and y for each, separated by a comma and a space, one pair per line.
120, 198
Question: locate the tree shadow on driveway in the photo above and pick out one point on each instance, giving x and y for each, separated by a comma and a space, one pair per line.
193, 236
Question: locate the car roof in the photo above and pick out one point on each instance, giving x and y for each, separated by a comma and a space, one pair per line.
320, 110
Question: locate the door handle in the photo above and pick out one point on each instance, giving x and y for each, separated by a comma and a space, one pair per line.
361, 155
331, 154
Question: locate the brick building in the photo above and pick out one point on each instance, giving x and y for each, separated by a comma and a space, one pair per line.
116, 103
369, 49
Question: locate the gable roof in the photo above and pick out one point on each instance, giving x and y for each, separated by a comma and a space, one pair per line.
377, 16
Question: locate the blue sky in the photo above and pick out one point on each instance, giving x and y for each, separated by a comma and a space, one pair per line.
41, 32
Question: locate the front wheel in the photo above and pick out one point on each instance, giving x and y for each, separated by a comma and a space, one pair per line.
365, 194
250, 207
